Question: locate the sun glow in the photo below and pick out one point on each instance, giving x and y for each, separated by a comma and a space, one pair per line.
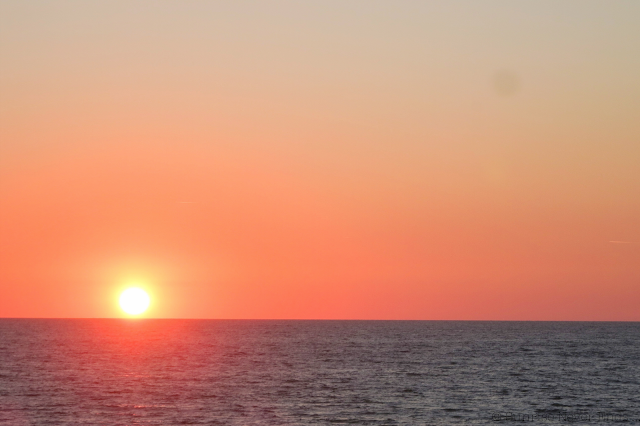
134, 301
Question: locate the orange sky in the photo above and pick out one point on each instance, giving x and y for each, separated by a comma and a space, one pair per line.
377, 160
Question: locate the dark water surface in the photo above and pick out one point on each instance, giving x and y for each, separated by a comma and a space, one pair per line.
173, 372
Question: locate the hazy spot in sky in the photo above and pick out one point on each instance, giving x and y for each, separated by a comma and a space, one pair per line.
505, 83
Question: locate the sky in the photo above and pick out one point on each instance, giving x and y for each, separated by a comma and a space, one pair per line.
361, 159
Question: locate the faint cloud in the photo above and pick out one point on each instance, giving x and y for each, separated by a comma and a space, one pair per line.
505, 82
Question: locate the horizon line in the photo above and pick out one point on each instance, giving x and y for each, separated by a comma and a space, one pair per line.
302, 319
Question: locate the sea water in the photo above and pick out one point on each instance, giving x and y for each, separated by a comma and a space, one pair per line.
219, 372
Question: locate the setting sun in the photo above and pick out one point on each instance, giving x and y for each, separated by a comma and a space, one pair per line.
134, 301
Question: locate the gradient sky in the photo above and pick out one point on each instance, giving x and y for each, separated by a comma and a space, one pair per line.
329, 159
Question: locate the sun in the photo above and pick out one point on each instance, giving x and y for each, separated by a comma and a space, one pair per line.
134, 301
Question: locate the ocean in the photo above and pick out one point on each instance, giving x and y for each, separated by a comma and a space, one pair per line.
246, 372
